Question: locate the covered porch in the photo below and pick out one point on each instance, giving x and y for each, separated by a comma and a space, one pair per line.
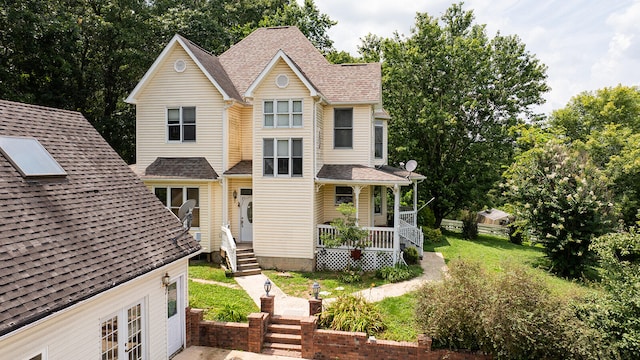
376, 195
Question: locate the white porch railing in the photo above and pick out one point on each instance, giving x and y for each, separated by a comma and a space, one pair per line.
380, 238
229, 247
412, 235
410, 217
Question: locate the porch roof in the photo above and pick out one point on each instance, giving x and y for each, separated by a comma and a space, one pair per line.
360, 174
242, 168
180, 168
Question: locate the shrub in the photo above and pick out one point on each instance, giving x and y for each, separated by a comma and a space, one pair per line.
426, 217
350, 276
469, 225
433, 236
231, 312
394, 273
411, 255
352, 313
515, 233
511, 315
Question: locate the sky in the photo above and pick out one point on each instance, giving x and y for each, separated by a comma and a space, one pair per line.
586, 44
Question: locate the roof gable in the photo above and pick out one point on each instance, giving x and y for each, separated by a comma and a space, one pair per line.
280, 55
70, 238
206, 62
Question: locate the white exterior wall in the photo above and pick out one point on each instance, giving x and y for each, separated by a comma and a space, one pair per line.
283, 212
76, 332
168, 88
362, 151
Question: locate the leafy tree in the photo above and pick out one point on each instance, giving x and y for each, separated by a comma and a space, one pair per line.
564, 200
453, 93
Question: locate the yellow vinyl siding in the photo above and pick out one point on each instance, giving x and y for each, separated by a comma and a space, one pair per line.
362, 151
330, 208
168, 88
234, 208
74, 334
247, 133
235, 136
320, 125
283, 215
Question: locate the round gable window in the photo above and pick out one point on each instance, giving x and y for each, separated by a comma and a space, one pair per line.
180, 65
282, 81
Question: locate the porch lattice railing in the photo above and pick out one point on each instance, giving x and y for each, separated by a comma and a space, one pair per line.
229, 247
379, 254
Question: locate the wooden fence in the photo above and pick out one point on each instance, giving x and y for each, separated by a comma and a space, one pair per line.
495, 230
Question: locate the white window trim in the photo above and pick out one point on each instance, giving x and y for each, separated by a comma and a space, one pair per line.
373, 199
335, 199
167, 202
343, 128
181, 124
289, 156
378, 124
275, 114
121, 314
43, 352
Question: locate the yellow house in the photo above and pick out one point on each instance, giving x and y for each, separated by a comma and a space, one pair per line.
268, 138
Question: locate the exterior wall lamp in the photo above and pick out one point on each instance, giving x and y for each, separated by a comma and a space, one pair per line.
267, 286
166, 280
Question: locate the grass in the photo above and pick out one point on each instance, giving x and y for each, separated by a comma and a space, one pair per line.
300, 284
208, 271
398, 313
214, 298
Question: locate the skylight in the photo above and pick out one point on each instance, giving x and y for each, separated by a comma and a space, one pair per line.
29, 157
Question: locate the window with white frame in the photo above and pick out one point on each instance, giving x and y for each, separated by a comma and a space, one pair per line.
181, 124
344, 194
343, 128
174, 197
122, 334
377, 200
282, 113
282, 157
378, 138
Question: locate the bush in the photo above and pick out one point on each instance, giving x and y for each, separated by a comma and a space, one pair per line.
433, 236
469, 225
394, 273
232, 313
350, 276
426, 217
411, 255
352, 313
511, 315
515, 233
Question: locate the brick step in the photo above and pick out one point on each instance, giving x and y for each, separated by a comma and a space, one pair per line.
287, 320
282, 352
277, 338
285, 329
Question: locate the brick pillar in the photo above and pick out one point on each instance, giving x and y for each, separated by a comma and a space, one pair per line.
267, 304
192, 326
424, 347
308, 327
256, 331
315, 306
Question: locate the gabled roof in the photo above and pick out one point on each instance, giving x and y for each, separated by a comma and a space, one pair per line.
359, 174
244, 167
208, 64
280, 55
181, 168
70, 238
344, 83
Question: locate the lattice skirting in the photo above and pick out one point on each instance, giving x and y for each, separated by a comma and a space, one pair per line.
340, 259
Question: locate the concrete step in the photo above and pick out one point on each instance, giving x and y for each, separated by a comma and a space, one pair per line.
285, 329
289, 339
282, 352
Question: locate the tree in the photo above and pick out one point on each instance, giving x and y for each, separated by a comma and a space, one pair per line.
563, 198
453, 93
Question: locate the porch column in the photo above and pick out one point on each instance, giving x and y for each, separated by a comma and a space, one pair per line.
356, 193
396, 222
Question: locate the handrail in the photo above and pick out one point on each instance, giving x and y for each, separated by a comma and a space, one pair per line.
412, 234
229, 247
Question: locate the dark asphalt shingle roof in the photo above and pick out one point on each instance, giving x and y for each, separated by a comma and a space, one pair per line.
186, 168
67, 239
244, 167
364, 174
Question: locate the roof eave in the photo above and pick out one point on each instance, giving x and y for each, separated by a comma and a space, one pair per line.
281, 55
363, 182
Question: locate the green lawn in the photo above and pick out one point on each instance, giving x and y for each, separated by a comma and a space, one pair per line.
398, 313
208, 271
214, 298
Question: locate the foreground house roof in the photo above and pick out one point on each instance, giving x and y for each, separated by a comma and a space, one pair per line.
65, 239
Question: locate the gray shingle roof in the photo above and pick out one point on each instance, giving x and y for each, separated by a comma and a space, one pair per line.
186, 168
67, 239
244, 167
362, 174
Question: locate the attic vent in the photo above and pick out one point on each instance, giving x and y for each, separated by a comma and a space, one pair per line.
180, 65
282, 81
29, 157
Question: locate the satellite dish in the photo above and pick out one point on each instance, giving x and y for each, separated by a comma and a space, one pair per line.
411, 165
185, 212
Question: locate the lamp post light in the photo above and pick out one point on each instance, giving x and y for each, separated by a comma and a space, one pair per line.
267, 286
316, 290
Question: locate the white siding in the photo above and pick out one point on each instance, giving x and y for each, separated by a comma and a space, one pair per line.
75, 333
283, 212
168, 88
362, 151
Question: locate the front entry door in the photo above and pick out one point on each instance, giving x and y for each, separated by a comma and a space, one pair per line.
246, 215
175, 311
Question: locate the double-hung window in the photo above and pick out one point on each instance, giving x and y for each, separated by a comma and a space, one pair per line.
378, 137
174, 197
181, 123
344, 194
343, 128
377, 200
282, 157
122, 334
283, 113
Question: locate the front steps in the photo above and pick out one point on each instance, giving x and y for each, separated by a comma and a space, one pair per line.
283, 337
247, 262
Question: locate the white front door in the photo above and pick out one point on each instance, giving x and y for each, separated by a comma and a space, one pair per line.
175, 314
246, 215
